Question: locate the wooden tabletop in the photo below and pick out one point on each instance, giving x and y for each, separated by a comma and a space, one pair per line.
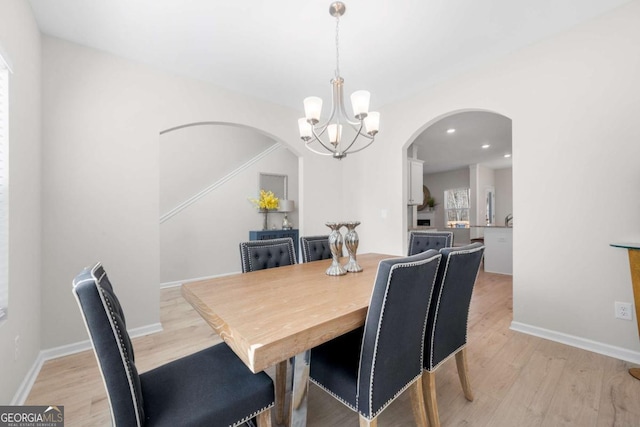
268, 316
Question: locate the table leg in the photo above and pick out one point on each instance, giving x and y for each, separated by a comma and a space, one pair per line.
634, 264
299, 389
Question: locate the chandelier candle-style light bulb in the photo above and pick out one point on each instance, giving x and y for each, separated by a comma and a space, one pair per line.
345, 135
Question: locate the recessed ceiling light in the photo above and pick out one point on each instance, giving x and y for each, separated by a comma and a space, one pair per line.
451, 130
486, 146
507, 155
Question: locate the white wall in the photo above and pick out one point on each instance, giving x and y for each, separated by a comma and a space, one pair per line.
194, 157
202, 239
504, 194
573, 100
103, 116
20, 42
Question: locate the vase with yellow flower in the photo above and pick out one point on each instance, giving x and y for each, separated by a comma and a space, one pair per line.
265, 203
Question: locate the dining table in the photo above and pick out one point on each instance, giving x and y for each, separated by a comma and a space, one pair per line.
279, 314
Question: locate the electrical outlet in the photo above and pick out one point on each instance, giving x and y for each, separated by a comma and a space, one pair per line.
16, 347
623, 310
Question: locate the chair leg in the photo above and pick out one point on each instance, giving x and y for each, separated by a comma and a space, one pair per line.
281, 390
264, 418
417, 404
368, 423
463, 373
429, 389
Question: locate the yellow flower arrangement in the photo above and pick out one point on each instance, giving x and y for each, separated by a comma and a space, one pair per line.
267, 201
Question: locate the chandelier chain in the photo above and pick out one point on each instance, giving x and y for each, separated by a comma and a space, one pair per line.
337, 46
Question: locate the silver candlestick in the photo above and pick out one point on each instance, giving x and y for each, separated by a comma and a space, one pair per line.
335, 245
351, 240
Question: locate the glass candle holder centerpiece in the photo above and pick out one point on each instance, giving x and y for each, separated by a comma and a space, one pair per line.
335, 245
351, 240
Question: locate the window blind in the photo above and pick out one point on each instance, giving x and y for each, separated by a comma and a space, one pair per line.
4, 189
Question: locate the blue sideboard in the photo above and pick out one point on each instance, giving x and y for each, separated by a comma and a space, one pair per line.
276, 234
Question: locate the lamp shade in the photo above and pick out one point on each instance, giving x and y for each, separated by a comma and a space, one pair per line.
305, 129
312, 109
335, 133
372, 123
360, 103
287, 205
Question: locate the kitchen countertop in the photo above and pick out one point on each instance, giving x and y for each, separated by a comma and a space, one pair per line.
491, 226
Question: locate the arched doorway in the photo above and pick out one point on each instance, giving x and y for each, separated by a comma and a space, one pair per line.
464, 151
208, 173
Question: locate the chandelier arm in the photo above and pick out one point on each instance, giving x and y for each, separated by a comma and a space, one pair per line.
340, 100
306, 144
322, 128
361, 148
335, 105
328, 122
355, 138
356, 126
342, 111
317, 138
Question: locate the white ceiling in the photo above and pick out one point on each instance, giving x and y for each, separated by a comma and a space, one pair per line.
442, 151
284, 51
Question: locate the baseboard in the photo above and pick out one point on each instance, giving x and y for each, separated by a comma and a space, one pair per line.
196, 279
25, 386
65, 350
574, 341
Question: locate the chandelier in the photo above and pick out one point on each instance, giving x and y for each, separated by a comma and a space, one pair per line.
340, 132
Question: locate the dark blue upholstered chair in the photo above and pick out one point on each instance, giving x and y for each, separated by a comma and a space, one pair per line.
315, 248
366, 369
262, 254
209, 388
448, 315
420, 241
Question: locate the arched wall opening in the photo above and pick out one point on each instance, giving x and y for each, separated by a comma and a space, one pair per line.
208, 173
463, 148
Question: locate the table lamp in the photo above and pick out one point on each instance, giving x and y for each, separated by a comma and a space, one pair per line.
286, 206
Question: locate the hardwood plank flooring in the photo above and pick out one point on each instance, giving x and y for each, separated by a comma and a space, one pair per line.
517, 379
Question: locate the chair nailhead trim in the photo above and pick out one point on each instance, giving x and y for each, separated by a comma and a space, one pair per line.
375, 350
245, 419
433, 330
121, 347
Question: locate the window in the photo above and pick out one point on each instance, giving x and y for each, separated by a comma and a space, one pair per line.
456, 207
4, 181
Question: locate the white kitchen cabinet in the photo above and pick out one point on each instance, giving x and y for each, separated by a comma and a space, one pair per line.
498, 250
416, 194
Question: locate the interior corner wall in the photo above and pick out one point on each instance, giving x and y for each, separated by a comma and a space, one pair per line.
20, 42
573, 99
101, 128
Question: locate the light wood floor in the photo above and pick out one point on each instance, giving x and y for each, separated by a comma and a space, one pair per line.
518, 380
